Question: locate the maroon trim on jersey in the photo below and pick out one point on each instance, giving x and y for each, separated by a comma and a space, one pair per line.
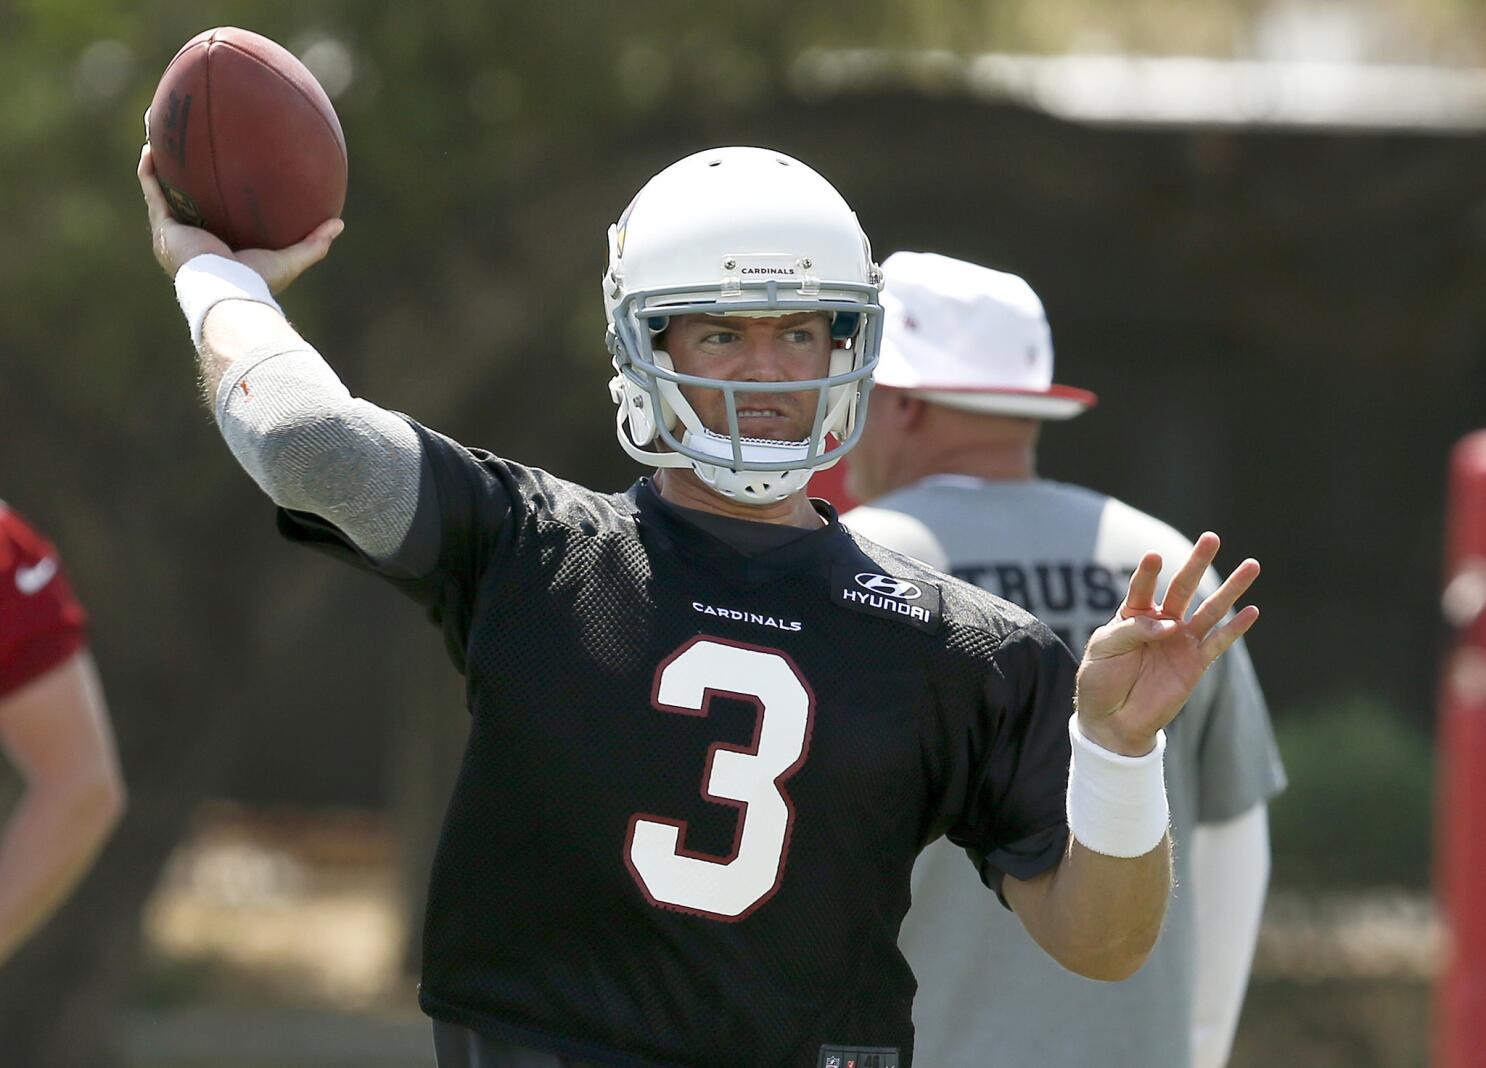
742, 806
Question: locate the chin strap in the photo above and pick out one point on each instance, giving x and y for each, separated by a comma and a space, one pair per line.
754, 450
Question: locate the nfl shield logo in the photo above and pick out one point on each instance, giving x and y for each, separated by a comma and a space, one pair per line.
833, 1062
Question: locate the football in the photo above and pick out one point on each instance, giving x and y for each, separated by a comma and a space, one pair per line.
245, 142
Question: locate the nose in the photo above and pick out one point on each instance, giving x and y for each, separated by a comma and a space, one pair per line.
767, 360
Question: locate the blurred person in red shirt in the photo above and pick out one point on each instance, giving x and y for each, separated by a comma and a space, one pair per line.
54, 729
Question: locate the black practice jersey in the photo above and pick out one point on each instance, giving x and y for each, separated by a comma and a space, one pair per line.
697, 779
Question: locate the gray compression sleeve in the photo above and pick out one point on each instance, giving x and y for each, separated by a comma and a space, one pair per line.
312, 447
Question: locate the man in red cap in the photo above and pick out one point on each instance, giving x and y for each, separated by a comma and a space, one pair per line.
948, 464
54, 728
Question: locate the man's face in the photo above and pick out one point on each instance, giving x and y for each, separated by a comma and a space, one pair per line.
787, 348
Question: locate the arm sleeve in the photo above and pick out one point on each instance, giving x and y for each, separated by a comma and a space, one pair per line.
462, 526
1015, 820
1230, 873
41, 622
1238, 761
314, 448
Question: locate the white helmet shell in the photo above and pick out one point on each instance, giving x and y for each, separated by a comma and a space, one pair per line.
738, 231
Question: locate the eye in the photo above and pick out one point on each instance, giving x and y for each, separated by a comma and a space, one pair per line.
808, 335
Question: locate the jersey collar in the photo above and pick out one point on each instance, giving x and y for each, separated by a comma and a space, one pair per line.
665, 527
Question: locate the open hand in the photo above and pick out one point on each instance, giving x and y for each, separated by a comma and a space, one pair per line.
174, 242
1140, 667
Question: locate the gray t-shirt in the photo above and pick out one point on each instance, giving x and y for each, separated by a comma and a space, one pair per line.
988, 995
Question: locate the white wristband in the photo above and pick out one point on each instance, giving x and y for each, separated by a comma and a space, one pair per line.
205, 281
1116, 804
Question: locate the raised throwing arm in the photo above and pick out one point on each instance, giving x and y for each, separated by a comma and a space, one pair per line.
284, 413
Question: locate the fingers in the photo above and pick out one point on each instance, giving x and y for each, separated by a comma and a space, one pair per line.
281, 267
1225, 596
315, 247
1184, 585
154, 197
1122, 635
1141, 595
1218, 642
327, 231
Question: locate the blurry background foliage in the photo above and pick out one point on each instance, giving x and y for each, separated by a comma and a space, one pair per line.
1298, 308
1361, 795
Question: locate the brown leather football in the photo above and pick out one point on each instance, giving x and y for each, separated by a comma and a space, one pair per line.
245, 141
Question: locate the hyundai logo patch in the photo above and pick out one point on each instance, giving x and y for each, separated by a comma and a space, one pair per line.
916, 603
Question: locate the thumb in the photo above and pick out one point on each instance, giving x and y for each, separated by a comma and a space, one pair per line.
1122, 635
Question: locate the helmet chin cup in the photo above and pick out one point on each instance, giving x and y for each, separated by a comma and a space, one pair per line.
745, 485
753, 487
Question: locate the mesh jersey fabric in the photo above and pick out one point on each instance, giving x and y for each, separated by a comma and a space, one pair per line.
747, 537
456, 1046
41, 622
565, 608
1066, 553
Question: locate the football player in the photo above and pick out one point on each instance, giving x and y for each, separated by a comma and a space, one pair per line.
54, 729
712, 728
948, 463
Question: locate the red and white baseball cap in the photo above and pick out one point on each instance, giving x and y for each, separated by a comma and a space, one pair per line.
965, 336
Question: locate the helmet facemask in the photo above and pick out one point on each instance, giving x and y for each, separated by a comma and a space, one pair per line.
752, 470
655, 423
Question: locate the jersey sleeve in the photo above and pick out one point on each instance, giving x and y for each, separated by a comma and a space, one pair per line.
41, 622
463, 522
1238, 761
1015, 821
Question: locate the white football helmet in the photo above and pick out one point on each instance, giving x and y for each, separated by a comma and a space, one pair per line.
738, 231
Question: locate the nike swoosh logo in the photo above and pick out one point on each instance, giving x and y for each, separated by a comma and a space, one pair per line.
30, 580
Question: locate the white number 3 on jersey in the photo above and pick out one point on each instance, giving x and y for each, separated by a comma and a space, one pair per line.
749, 779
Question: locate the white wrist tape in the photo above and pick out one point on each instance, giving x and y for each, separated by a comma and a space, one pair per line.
205, 281
1116, 804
